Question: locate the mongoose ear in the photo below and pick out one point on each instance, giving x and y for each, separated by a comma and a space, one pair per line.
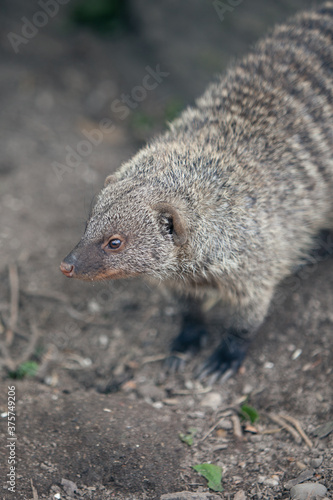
111, 179
176, 223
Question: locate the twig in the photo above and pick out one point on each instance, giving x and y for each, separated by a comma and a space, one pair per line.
17, 331
7, 361
211, 430
2, 325
49, 356
224, 412
14, 302
299, 429
280, 421
11, 363
271, 431
35, 334
34, 491
154, 359
237, 427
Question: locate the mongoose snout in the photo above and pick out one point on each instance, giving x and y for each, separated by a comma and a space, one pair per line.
67, 269
229, 200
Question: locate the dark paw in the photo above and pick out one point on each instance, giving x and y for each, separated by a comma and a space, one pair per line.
190, 339
187, 344
226, 360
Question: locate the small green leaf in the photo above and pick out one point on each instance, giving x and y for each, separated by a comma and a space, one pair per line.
249, 413
26, 369
188, 437
213, 474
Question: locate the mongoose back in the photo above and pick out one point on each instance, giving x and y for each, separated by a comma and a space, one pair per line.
230, 198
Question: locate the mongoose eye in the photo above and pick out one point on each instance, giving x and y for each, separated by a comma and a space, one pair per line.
114, 243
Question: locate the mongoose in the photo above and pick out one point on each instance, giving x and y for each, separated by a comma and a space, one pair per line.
230, 198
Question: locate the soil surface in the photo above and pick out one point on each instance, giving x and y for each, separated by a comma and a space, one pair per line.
98, 417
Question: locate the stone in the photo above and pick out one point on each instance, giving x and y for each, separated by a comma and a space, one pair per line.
308, 491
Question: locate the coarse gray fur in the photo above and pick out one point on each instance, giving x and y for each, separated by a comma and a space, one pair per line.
248, 171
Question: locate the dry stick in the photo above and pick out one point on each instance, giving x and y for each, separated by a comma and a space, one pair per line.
14, 302
237, 427
7, 361
49, 356
211, 429
271, 431
34, 491
35, 334
2, 325
224, 411
11, 363
299, 429
278, 420
154, 359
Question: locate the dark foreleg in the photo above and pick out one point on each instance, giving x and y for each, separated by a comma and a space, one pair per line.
191, 337
225, 361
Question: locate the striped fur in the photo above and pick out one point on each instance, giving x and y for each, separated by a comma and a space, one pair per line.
249, 170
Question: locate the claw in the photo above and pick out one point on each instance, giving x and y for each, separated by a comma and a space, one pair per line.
186, 345
225, 361
175, 363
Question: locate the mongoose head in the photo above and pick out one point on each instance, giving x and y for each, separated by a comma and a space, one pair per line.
132, 230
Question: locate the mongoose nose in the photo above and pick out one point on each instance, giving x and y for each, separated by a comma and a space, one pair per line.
67, 269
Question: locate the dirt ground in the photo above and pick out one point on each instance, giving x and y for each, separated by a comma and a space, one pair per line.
99, 418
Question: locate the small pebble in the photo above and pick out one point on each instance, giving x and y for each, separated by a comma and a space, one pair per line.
187, 495
271, 482
308, 491
69, 487
247, 389
316, 462
225, 424
93, 306
158, 405
240, 495
213, 400
103, 340
303, 476
296, 354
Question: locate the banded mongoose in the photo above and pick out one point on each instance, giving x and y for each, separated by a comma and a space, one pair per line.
230, 198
